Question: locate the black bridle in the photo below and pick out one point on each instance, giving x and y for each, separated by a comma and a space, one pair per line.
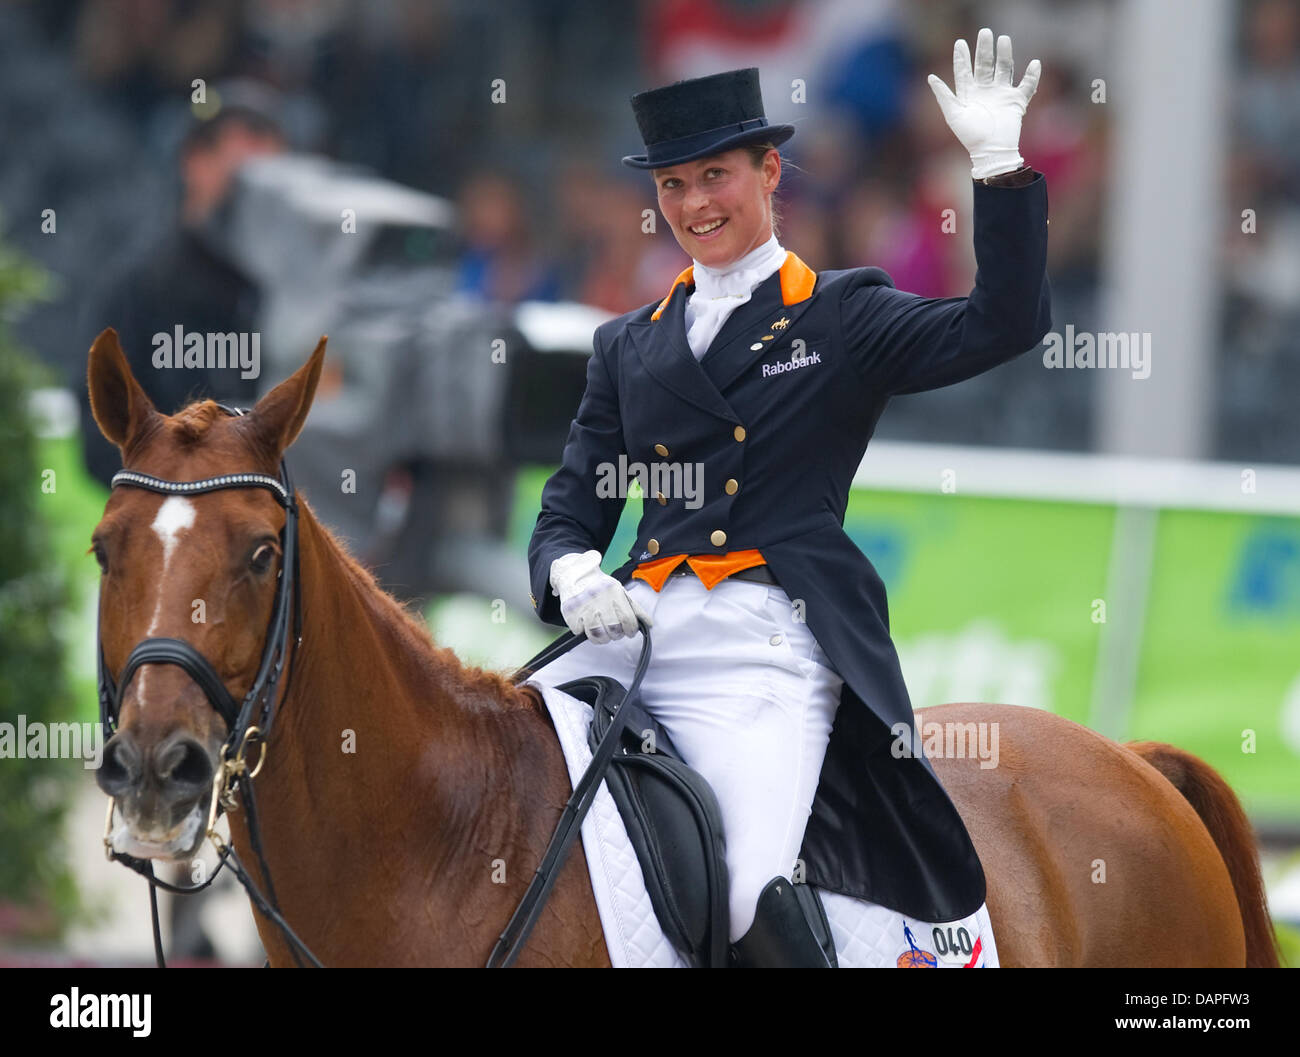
247, 721
283, 638
283, 634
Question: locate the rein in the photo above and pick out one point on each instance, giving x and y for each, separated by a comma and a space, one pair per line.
250, 722
512, 939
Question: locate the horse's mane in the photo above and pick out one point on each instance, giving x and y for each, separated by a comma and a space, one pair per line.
479, 683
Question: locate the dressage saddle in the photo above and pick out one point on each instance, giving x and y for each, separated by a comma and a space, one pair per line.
675, 826
672, 820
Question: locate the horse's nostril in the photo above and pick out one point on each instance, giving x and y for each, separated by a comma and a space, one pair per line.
182, 764
195, 768
120, 768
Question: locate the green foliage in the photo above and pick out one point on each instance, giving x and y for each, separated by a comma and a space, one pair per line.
1288, 939
35, 880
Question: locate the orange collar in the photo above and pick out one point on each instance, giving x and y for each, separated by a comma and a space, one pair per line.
797, 281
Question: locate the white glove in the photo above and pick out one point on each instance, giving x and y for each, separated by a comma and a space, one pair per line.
986, 111
592, 601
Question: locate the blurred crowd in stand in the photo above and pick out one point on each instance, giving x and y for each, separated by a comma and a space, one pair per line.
518, 111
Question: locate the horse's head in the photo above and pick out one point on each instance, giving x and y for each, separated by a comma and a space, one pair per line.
201, 568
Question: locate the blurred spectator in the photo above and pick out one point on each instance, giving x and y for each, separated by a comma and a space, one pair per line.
180, 280
608, 244
501, 261
138, 50
1269, 104
900, 233
1261, 243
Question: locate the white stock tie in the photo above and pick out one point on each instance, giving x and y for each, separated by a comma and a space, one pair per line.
720, 291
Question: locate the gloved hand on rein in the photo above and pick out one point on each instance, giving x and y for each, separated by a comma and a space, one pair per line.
986, 111
593, 602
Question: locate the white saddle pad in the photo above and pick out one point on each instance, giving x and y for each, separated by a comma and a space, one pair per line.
866, 935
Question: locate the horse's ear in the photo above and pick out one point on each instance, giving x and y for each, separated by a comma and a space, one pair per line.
279, 416
120, 406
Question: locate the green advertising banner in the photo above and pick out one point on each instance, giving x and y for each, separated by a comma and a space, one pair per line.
989, 600
1220, 658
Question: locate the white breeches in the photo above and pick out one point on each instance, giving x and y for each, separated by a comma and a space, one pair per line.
748, 698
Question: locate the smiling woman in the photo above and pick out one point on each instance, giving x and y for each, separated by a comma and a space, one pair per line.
714, 376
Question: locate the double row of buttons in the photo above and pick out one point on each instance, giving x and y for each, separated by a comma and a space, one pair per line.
717, 537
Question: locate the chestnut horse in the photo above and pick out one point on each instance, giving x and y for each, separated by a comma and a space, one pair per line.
406, 799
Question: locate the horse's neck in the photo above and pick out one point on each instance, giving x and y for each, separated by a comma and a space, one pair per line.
373, 695
389, 758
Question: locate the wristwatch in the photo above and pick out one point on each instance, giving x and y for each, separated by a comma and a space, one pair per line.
1015, 178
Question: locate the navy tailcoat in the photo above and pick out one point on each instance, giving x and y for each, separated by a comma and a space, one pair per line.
882, 827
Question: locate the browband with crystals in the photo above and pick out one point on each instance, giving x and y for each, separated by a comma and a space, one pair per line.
208, 484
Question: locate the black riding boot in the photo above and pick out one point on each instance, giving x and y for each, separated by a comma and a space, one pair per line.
790, 931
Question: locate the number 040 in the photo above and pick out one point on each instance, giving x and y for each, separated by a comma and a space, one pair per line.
949, 941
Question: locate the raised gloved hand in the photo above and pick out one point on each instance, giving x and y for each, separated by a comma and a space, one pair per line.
592, 601
985, 113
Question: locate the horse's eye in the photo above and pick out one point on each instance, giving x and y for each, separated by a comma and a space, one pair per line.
262, 557
100, 556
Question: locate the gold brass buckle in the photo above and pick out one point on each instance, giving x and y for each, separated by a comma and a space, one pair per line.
108, 830
229, 772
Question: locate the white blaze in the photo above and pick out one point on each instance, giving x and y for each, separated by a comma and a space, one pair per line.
174, 517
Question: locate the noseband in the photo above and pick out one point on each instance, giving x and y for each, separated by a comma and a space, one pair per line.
246, 721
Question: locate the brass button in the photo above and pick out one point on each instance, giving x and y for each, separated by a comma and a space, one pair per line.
660, 449
653, 546
533, 599
718, 538
739, 432
732, 486
662, 500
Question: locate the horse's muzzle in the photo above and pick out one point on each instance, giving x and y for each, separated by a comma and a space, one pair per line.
159, 789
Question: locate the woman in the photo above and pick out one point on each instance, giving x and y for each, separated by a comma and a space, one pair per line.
748, 396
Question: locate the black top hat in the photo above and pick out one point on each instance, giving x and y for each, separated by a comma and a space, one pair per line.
705, 115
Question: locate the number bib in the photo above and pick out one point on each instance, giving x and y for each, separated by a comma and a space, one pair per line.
957, 942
